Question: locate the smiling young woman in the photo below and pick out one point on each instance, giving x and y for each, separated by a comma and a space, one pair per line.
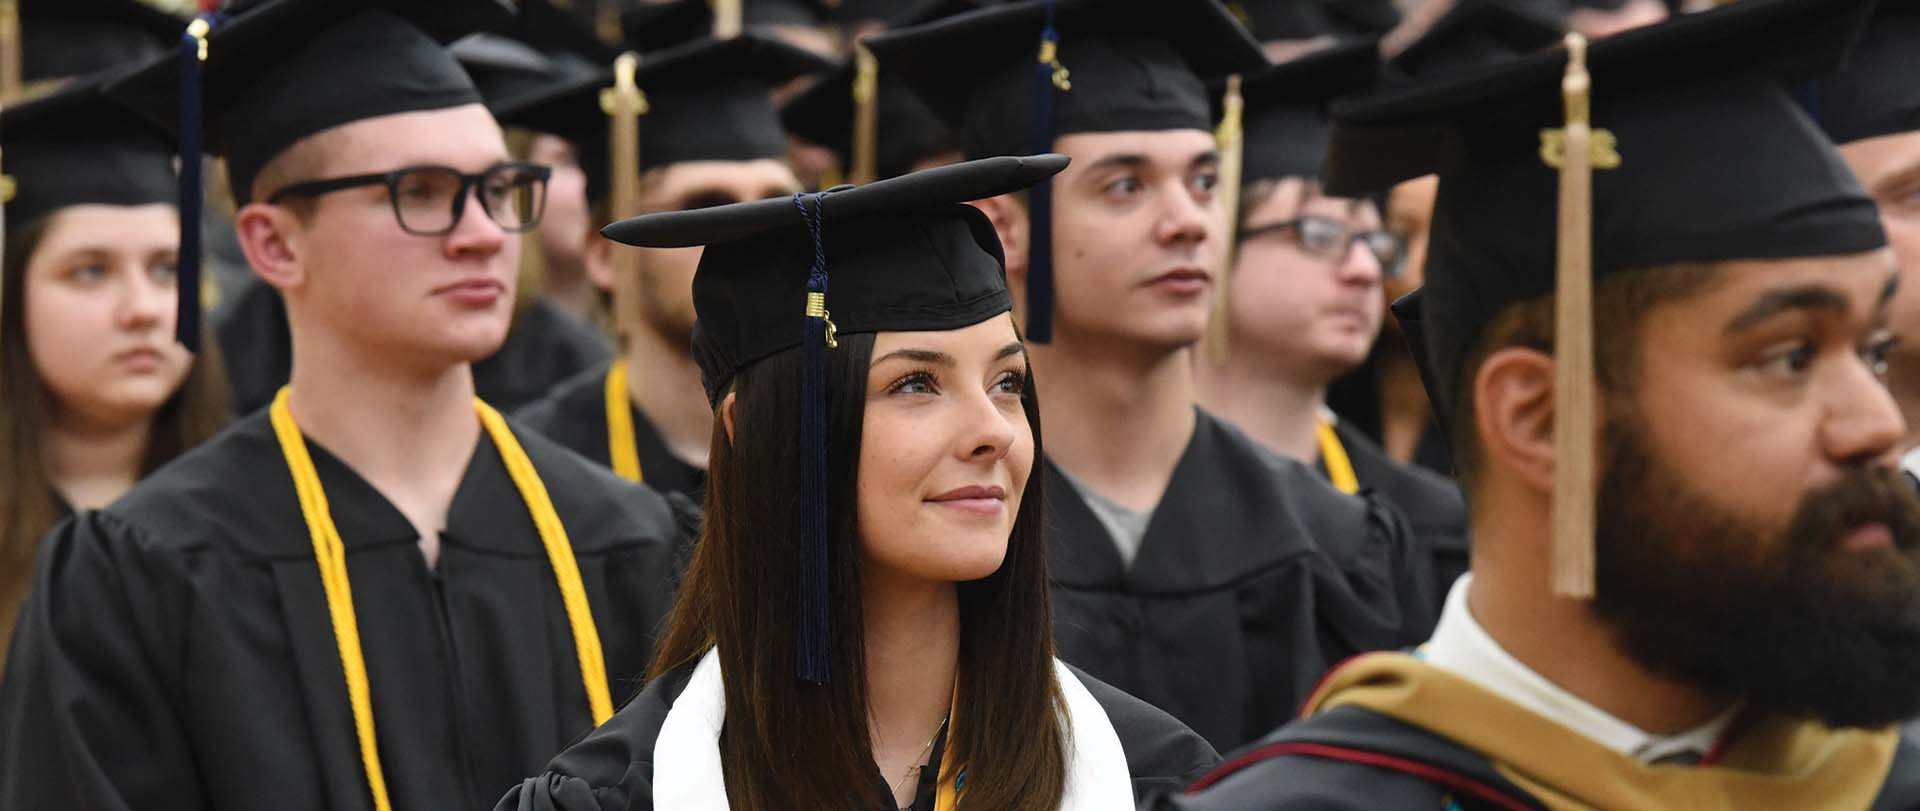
94, 392
871, 579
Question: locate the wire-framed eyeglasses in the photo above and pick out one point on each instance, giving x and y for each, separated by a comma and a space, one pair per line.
1333, 240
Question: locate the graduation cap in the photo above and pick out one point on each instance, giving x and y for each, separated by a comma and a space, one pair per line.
652, 27
1271, 20
507, 71
781, 12
77, 147
65, 38
904, 254
1666, 144
274, 72
903, 131
1878, 92
706, 100
1010, 79
1286, 107
1473, 35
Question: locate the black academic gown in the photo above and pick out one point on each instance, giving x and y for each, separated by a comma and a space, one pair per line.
1255, 577
1431, 503
177, 650
574, 414
1354, 759
612, 768
545, 346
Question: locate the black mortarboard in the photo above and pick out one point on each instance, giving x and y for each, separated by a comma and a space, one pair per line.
780, 12
1012, 78
906, 130
650, 27
706, 100
76, 147
274, 72
1271, 20
506, 71
904, 254
64, 38
1716, 162
1286, 119
1878, 92
1472, 35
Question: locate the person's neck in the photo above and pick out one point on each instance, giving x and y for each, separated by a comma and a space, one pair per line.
1117, 421
1276, 407
912, 640
1566, 643
410, 432
664, 383
92, 464
1405, 412
572, 292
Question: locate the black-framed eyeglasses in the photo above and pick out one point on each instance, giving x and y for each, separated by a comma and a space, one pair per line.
429, 200
1332, 240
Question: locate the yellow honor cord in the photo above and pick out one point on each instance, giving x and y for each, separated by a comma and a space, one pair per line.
946, 794
1334, 456
330, 554
621, 452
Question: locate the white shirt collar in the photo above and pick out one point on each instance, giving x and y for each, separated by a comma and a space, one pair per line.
1463, 648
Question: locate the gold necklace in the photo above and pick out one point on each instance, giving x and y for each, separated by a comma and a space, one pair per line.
919, 760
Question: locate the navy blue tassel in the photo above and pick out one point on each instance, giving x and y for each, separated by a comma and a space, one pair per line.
187, 310
1808, 94
814, 641
1040, 213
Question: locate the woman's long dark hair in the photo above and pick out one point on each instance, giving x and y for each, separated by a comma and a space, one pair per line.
196, 411
787, 744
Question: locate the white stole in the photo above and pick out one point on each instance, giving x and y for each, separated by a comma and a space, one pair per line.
686, 756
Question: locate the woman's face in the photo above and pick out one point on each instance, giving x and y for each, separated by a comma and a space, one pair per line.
946, 451
99, 311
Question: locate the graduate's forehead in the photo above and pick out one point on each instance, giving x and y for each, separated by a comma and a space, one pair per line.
1747, 295
1094, 152
464, 137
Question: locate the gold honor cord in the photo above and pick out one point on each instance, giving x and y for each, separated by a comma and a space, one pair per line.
330, 553
621, 452
1334, 456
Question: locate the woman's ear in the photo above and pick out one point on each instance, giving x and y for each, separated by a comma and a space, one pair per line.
1009, 218
726, 415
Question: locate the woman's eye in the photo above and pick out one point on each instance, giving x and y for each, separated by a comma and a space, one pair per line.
166, 271
1012, 383
916, 383
89, 273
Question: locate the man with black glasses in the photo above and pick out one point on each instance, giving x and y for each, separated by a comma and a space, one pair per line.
378, 593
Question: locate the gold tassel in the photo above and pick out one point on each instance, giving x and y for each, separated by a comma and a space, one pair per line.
624, 104
12, 75
1576, 151
1231, 141
727, 19
866, 117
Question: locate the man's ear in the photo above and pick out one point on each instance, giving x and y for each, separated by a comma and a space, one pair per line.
597, 255
271, 238
726, 415
1009, 218
1513, 412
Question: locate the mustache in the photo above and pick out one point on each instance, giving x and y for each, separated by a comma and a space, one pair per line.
1860, 497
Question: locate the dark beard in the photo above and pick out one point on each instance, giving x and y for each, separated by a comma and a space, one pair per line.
1786, 621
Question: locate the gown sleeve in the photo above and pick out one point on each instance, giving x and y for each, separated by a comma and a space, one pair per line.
89, 705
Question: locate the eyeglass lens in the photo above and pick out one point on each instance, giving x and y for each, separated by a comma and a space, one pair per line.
427, 198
